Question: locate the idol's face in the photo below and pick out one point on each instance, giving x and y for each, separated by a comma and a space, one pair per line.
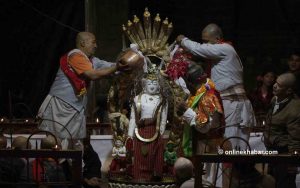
118, 143
152, 87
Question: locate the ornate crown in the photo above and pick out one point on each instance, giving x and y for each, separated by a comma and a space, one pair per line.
152, 72
151, 38
151, 76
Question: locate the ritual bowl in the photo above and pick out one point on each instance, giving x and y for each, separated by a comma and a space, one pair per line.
131, 58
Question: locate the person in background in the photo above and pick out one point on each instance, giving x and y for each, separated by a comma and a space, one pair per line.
262, 95
14, 170
282, 131
294, 63
184, 172
294, 67
49, 169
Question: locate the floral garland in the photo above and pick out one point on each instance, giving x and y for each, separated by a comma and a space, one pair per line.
179, 64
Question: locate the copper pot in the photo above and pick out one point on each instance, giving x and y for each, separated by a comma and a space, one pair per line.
132, 59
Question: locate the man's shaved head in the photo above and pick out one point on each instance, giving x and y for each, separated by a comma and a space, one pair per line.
86, 42
20, 142
214, 30
288, 80
183, 169
285, 85
212, 33
49, 142
82, 37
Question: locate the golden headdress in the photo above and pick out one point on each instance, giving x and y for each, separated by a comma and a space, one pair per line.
151, 40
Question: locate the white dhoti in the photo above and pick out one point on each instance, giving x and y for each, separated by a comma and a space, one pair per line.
213, 171
61, 119
239, 116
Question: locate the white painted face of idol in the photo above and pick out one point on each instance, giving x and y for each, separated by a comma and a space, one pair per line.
118, 143
152, 87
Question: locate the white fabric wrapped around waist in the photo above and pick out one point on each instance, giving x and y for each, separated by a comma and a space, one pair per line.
234, 91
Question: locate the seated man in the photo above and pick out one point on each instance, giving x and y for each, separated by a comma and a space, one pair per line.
20, 142
184, 172
14, 170
283, 128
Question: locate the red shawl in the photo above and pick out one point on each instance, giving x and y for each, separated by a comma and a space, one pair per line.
78, 83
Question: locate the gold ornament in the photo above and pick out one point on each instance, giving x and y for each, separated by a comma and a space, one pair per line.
151, 37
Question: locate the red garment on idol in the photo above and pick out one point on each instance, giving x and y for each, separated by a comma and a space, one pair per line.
151, 163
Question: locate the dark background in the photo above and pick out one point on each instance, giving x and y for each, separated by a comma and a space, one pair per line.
35, 33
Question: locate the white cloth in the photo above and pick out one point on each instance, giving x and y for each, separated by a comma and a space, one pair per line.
61, 119
190, 117
149, 104
239, 113
235, 131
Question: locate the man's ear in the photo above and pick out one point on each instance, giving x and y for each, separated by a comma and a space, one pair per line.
82, 43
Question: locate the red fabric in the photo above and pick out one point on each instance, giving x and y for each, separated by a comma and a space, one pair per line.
144, 166
117, 164
37, 170
78, 83
129, 144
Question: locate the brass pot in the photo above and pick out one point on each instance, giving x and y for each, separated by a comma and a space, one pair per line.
132, 59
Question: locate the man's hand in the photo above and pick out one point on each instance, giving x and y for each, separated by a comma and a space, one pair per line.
181, 106
179, 38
